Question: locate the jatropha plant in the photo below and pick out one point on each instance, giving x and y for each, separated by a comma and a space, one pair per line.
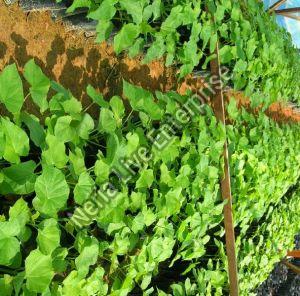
129, 202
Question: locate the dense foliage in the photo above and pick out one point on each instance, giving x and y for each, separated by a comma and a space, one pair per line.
265, 162
161, 217
162, 232
268, 243
260, 53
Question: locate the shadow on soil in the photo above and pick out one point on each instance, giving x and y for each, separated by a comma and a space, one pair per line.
104, 74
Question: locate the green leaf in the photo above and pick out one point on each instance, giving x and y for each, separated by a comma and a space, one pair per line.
232, 109
126, 37
236, 12
113, 145
10, 247
104, 30
18, 281
39, 82
20, 173
37, 133
6, 286
239, 81
55, 153
173, 20
79, 4
136, 48
64, 131
24, 236
160, 249
145, 180
135, 95
102, 171
48, 238
142, 100
173, 201
138, 223
97, 283
20, 212
133, 143
77, 161
19, 178
55, 104
156, 50
96, 97
206, 33
171, 50
219, 15
213, 172
240, 66
156, 9
16, 141
11, 89
149, 216
107, 122
134, 8
208, 59
10, 228
226, 54
251, 47
59, 262
117, 107
87, 257
38, 271
84, 188
165, 175
52, 191
105, 11
85, 126
2, 141
72, 106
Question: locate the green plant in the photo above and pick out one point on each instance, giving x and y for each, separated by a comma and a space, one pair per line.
268, 243
265, 163
259, 53
166, 210
159, 217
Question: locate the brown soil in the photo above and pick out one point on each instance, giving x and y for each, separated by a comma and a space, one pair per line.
76, 61
72, 59
279, 112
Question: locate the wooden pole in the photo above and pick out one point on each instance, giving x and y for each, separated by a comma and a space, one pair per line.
288, 10
291, 16
291, 266
294, 253
218, 106
276, 5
